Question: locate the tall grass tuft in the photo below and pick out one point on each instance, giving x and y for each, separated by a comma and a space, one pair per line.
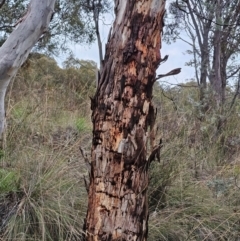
50, 201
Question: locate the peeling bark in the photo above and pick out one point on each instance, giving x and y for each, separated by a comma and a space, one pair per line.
117, 207
16, 48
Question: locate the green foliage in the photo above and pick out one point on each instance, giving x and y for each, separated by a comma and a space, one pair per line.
10, 13
70, 22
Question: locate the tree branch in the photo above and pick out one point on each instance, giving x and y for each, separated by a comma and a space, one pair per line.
172, 72
2, 3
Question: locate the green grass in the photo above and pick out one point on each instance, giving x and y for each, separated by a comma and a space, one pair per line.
9, 181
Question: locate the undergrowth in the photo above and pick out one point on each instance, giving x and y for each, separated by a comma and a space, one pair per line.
42, 192
194, 190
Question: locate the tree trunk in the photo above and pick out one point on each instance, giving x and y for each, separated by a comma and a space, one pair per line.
122, 110
99, 41
203, 77
16, 48
224, 78
215, 76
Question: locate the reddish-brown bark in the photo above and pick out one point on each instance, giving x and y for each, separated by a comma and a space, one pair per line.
122, 113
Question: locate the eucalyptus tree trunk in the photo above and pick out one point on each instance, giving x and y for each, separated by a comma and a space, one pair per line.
216, 77
16, 48
122, 113
99, 41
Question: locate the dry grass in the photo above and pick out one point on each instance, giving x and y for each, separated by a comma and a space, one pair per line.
194, 190
42, 194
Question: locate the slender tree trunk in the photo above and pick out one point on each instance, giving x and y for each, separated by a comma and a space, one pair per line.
216, 79
117, 205
99, 41
215, 76
203, 76
224, 78
16, 48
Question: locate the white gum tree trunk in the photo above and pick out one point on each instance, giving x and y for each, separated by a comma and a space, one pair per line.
16, 48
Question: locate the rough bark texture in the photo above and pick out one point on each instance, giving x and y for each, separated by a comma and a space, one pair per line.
20, 42
122, 113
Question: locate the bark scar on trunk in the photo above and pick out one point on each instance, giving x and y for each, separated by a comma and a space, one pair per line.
122, 115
